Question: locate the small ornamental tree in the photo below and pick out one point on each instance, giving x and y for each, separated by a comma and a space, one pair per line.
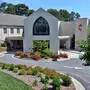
39, 45
86, 56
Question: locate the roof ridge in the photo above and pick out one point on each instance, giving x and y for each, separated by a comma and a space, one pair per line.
11, 14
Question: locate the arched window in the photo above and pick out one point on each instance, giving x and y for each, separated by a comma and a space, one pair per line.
41, 27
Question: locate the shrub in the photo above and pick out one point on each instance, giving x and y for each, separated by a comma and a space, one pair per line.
38, 68
3, 45
86, 56
36, 57
18, 53
45, 87
35, 83
47, 77
46, 71
7, 66
39, 74
22, 72
28, 55
56, 84
34, 71
22, 55
46, 53
44, 80
55, 56
3, 66
66, 80
11, 68
51, 73
20, 66
54, 75
32, 53
29, 72
63, 55
15, 70
83, 45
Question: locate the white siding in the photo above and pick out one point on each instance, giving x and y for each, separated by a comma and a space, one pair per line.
9, 34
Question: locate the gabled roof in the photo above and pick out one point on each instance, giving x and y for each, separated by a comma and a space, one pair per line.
41, 10
9, 19
16, 20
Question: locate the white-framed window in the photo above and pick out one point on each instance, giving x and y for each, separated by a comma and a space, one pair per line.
5, 30
12, 30
18, 30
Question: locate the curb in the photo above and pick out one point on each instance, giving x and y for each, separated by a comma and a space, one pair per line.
77, 84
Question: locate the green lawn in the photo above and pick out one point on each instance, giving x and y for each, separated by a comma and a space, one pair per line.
7, 82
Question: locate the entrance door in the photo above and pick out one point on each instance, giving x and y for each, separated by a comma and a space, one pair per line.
72, 46
17, 45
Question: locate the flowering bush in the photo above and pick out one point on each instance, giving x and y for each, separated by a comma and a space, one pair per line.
63, 55
36, 57
18, 53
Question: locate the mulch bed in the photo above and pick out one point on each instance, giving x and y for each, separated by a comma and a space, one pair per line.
28, 79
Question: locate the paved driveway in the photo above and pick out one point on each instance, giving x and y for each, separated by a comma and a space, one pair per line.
72, 67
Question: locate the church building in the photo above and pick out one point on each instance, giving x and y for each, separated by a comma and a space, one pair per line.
21, 31
43, 26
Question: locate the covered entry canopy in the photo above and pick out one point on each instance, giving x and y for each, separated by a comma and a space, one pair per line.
15, 38
14, 43
64, 42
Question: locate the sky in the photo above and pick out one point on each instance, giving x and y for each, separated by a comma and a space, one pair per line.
80, 6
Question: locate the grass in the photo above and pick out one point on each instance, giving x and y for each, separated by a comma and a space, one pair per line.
7, 82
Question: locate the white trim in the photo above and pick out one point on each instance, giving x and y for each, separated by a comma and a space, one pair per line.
63, 37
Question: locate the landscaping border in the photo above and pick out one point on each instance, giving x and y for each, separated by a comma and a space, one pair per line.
44, 60
77, 84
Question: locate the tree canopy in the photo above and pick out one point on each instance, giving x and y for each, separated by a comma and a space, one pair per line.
64, 15
23, 10
18, 9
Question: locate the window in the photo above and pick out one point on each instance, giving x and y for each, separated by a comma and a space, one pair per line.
12, 30
41, 27
18, 30
5, 30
